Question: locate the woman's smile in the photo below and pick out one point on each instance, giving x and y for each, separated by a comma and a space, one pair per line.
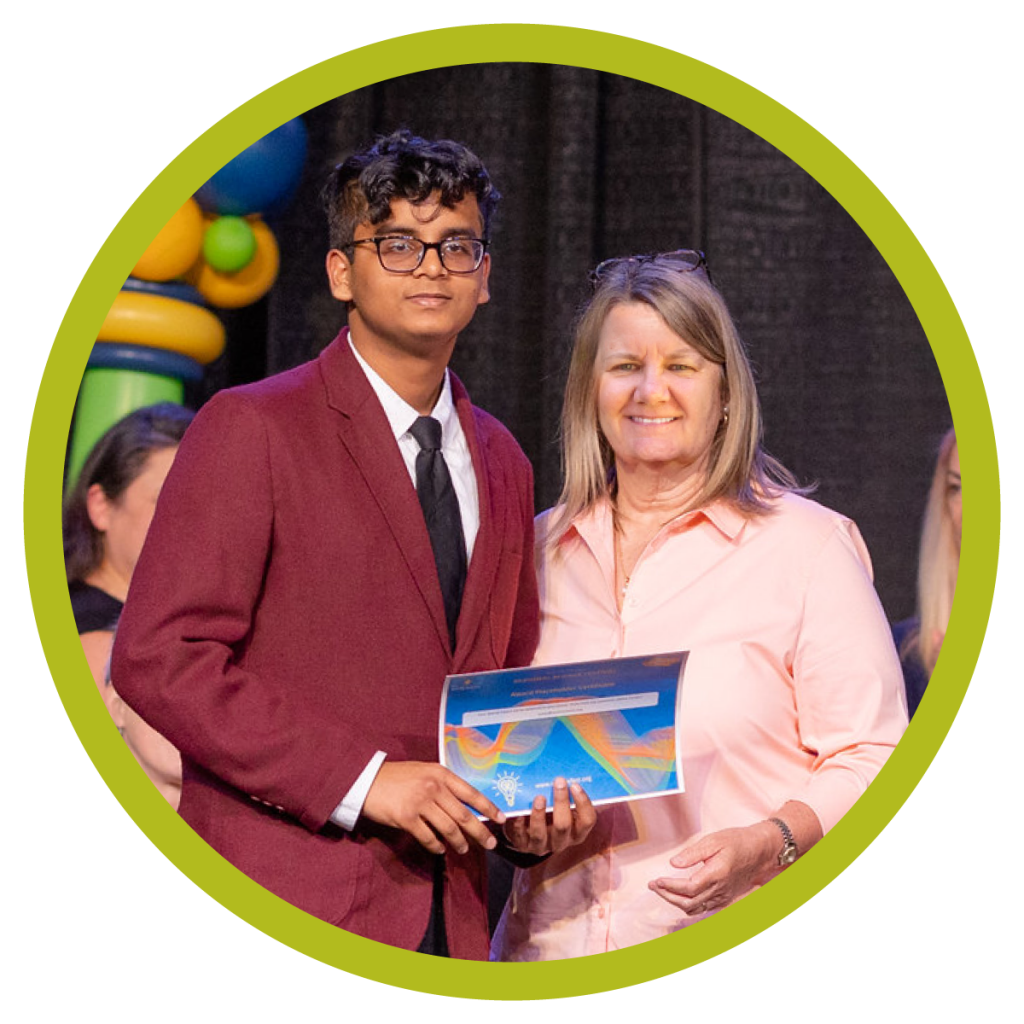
659, 401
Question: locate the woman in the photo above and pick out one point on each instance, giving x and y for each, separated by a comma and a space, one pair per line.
675, 531
919, 639
106, 516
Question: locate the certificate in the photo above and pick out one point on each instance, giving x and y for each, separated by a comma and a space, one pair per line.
608, 725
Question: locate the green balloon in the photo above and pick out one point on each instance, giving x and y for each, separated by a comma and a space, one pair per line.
229, 244
106, 396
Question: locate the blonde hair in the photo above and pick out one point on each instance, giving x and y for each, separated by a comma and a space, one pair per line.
938, 563
738, 467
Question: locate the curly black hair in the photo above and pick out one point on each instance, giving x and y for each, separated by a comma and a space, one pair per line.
402, 166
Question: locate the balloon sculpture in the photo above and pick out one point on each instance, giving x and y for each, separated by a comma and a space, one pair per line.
216, 250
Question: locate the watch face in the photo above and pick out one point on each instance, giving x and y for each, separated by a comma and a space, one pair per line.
788, 856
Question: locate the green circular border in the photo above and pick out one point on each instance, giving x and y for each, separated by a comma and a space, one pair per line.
548, 45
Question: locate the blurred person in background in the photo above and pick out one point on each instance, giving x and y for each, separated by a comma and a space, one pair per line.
106, 517
919, 639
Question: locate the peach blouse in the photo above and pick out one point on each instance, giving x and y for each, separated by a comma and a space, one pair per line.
792, 691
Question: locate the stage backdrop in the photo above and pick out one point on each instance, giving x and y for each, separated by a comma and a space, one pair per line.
594, 165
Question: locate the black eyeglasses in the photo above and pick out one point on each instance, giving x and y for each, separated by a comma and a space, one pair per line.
402, 254
685, 260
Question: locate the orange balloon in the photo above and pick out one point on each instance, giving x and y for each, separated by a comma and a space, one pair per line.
176, 246
245, 286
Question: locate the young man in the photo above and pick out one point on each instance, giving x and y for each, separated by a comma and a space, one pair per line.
293, 616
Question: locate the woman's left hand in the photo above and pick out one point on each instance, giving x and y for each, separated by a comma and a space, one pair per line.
725, 864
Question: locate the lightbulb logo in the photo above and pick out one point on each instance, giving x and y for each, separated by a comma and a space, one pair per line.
507, 785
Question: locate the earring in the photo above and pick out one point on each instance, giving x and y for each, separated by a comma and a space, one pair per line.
725, 416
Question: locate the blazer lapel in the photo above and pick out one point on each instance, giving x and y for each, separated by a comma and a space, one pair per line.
365, 432
492, 496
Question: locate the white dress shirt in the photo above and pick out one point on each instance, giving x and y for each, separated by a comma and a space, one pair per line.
455, 449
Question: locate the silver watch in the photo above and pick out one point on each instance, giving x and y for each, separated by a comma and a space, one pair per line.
789, 848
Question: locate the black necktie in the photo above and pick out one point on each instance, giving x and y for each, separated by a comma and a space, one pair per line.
441, 512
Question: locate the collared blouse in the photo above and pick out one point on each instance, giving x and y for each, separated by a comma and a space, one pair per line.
792, 691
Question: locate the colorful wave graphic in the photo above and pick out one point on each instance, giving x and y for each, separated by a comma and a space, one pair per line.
636, 763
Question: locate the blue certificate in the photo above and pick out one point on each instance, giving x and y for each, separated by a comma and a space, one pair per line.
608, 725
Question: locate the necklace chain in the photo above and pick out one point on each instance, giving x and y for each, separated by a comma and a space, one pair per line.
620, 560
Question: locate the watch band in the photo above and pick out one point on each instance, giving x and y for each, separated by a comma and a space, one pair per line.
790, 851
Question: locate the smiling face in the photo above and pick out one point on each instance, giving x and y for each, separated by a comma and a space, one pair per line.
418, 314
659, 401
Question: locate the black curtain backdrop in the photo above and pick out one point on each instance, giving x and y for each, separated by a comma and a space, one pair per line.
593, 165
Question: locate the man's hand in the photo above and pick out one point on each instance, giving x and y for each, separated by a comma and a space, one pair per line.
567, 827
429, 802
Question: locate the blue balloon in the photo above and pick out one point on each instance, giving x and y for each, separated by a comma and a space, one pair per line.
144, 359
170, 289
262, 178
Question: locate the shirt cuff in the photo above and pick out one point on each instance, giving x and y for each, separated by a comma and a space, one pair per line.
346, 814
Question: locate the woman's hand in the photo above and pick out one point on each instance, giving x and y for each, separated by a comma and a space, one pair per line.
568, 826
724, 866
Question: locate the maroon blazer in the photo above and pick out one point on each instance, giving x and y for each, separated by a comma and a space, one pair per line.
285, 622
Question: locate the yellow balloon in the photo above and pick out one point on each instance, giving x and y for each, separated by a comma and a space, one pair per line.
175, 248
245, 286
136, 318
